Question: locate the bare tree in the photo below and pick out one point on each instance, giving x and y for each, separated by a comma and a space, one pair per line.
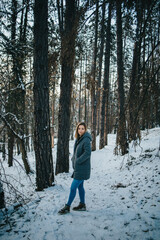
42, 135
134, 128
105, 90
68, 30
93, 81
121, 132
102, 39
16, 51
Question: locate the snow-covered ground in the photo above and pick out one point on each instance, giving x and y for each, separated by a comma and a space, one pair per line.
122, 198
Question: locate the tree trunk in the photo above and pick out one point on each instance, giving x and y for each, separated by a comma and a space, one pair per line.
68, 36
24, 156
42, 134
157, 96
27, 126
10, 148
52, 130
134, 128
85, 104
105, 91
121, 133
16, 99
143, 121
80, 93
4, 146
2, 203
93, 83
11, 104
53, 110
100, 64
106, 120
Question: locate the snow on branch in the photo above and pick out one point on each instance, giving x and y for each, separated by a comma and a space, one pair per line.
14, 117
13, 187
11, 129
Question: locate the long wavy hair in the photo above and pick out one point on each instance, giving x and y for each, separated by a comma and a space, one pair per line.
80, 123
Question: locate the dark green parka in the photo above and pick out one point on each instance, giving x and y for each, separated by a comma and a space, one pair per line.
81, 157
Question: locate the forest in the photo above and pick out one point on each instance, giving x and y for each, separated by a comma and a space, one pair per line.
63, 62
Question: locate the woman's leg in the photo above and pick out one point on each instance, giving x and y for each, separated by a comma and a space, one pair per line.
75, 184
81, 193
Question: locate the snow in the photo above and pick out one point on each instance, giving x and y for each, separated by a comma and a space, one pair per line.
122, 198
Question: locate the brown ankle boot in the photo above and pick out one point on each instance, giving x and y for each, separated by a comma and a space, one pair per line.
80, 207
64, 210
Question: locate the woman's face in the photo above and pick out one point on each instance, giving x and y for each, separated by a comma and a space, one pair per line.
81, 130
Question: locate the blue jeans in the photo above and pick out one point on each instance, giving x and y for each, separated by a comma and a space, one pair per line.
76, 184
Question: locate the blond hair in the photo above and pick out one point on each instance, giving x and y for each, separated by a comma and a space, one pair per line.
79, 124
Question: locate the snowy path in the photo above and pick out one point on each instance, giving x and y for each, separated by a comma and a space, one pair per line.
122, 202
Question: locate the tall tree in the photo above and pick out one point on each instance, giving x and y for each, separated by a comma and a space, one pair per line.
121, 132
105, 90
15, 107
134, 128
42, 135
11, 106
80, 92
68, 31
102, 38
93, 81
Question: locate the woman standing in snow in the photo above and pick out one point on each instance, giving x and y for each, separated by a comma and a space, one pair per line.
82, 167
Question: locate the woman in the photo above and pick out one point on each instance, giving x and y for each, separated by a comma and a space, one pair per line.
82, 167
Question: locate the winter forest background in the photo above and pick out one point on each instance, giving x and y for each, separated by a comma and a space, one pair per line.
76, 60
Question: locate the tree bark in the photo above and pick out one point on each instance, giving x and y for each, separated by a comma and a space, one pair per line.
105, 90
85, 105
2, 203
121, 132
93, 83
134, 128
24, 156
11, 105
4, 146
98, 93
80, 93
42, 134
143, 121
10, 148
53, 112
68, 36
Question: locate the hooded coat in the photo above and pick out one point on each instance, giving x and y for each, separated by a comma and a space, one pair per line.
81, 160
